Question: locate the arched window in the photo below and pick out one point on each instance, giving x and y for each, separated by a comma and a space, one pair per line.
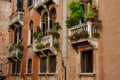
52, 18
45, 23
30, 32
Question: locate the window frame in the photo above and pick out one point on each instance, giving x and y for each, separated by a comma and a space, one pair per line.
16, 67
30, 32
81, 59
30, 65
48, 64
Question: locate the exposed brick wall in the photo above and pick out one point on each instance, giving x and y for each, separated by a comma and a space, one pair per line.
5, 11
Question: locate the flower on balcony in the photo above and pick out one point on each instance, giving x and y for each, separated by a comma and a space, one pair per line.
96, 35
74, 37
84, 34
47, 44
40, 46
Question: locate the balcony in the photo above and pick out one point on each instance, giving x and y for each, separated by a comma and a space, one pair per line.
46, 46
17, 18
42, 4
14, 55
84, 33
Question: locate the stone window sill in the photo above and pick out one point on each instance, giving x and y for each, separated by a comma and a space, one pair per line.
15, 74
28, 74
48, 74
86, 74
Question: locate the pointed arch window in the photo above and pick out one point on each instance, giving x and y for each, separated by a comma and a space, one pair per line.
30, 32
45, 23
52, 18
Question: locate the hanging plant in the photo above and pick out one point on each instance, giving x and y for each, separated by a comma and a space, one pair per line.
20, 55
55, 34
76, 13
56, 46
11, 47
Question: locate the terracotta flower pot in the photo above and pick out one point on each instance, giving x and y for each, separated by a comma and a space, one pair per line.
87, 1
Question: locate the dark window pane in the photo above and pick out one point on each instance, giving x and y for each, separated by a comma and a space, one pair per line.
43, 29
19, 4
87, 61
43, 64
18, 66
30, 2
13, 67
52, 64
29, 65
31, 32
15, 36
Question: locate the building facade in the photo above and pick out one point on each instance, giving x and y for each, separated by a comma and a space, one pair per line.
5, 11
52, 40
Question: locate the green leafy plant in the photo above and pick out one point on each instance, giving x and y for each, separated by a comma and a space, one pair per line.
40, 46
70, 22
75, 36
57, 26
19, 46
55, 34
11, 47
39, 37
76, 13
20, 55
47, 44
89, 15
96, 35
84, 34
56, 46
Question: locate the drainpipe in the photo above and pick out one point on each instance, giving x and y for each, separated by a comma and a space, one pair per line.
65, 78
64, 37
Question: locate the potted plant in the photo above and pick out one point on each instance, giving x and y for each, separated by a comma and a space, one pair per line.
84, 34
55, 34
86, 1
89, 16
49, 32
47, 44
96, 35
93, 8
40, 46
74, 37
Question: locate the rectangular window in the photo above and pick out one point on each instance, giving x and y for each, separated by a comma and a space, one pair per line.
87, 61
16, 67
31, 39
30, 2
19, 4
29, 66
43, 64
13, 67
52, 64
